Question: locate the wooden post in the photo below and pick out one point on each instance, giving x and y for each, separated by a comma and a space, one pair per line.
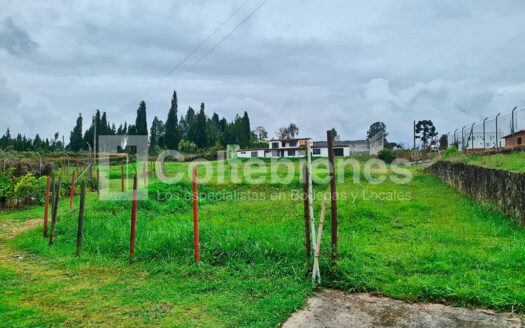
196, 216
46, 210
310, 196
316, 271
53, 194
333, 194
307, 241
122, 175
81, 218
72, 191
55, 210
133, 218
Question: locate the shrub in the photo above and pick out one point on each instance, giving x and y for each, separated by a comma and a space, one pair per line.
386, 155
452, 150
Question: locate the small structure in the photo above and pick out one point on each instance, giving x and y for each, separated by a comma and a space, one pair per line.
290, 148
517, 137
296, 148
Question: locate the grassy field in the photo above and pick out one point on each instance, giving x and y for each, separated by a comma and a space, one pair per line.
511, 162
420, 241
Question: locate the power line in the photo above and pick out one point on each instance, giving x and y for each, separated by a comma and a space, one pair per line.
191, 53
215, 46
226, 36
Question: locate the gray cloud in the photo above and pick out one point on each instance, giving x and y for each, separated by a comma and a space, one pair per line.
343, 64
15, 40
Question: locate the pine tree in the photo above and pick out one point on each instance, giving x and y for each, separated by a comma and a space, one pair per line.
200, 128
245, 133
141, 123
173, 134
156, 132
75, 139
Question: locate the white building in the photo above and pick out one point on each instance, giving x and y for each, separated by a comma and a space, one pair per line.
296, 148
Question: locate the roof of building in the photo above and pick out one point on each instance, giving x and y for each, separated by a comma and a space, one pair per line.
290, 140
342, 143
515, 133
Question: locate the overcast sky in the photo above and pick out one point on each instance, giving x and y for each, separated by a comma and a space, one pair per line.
319, 64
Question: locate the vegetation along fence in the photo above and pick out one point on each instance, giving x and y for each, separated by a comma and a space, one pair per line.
503, 188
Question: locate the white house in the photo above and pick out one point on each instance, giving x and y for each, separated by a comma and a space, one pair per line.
296, 148
289, 148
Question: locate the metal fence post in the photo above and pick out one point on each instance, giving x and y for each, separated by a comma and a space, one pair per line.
512, 128
472, 136
484, 140
497, 137
463, 138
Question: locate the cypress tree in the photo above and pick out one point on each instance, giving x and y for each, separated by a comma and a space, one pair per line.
200, 128
141, 123
173, 135
75, 139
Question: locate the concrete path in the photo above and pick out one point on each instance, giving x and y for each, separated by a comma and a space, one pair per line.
336, 309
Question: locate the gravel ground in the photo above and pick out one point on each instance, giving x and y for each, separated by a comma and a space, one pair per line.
336, 309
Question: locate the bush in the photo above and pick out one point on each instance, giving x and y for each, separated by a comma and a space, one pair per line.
386, 155
452, 150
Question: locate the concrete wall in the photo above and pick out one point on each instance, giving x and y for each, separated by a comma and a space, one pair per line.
504, 189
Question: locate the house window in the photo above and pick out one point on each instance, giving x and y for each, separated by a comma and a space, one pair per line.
284, 144
317, 151
291, 153
519, 140
275, 153
243, 153
293, 144
338, 152
275, 145
254, 154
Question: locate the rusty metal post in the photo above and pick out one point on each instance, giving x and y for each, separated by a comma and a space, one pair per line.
133, 219
333, 193
307, 242
196, 216
72, 191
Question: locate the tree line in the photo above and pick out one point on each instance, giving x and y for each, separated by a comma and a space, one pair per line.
192, 131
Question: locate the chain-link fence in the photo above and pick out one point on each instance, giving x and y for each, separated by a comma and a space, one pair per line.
502, 131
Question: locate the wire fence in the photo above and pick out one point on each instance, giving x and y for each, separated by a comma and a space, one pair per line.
502, 131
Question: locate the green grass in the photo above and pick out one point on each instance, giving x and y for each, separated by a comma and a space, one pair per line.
436, 245
511, 162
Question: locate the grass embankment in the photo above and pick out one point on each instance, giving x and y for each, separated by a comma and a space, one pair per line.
419, 241
512, 162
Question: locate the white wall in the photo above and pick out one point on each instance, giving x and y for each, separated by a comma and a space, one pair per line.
248, 153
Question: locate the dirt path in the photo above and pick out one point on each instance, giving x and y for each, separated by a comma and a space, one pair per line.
9, 229
336, 309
